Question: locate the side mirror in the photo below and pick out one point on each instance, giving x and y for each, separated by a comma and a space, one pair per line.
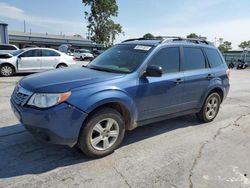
153, 71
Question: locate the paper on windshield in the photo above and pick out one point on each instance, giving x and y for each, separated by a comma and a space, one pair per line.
142, 47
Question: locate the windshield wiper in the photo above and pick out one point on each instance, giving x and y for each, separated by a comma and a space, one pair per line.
99, 69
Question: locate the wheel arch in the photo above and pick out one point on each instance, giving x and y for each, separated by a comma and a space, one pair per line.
119, 107
61, 63
217, 89
6, 63
9, 64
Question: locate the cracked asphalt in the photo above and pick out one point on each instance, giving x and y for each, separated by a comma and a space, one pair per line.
180, 152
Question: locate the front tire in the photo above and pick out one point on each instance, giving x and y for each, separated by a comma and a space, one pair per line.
102, 133
210, 108
7, 70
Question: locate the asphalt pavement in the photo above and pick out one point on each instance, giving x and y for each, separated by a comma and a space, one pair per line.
181, 152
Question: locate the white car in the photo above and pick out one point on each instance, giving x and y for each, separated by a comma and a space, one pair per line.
83, 54
7, 48
33, 60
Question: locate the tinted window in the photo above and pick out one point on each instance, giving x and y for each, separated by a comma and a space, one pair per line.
49, 53
31, 53
213, 57
168, 59
193, 59
7, 47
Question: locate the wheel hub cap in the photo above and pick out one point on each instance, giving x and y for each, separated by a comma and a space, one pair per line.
104, 134
6, 70
212, 107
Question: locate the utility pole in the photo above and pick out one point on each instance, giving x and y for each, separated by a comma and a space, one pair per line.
24, 26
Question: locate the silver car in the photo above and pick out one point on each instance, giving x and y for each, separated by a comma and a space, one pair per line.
33, 60
7, 48
83, 54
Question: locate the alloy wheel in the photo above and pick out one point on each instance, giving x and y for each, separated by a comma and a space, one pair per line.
104, 134
6, 71
212, 107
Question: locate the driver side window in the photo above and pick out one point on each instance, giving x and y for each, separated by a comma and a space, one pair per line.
168, 59
31, 53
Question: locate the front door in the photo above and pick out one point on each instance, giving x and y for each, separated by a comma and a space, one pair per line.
29, 61
159, 96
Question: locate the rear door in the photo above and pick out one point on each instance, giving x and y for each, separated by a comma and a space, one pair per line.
197, 75
50, 59
158, 96
30, 60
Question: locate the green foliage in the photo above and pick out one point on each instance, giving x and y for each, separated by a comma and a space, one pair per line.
148, 36
192, 35
225, 46
100, 24
245, 44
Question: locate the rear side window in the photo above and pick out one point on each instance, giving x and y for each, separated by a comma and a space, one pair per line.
214, 58
47, 53
168, 59
193, 59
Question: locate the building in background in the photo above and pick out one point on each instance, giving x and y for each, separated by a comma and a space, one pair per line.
4, 33
234, 55
27, 39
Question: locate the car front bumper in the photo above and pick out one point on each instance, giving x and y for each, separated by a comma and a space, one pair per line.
59, 125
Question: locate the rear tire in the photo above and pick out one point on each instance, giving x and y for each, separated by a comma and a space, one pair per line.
210, 108
102, 133
6, 70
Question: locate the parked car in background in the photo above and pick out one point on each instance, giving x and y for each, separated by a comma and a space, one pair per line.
7, 48
33, 60
97, 52
131, 84
83, 54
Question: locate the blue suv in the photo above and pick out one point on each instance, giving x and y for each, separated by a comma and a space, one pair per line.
131, 84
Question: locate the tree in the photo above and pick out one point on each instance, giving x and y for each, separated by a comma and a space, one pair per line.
225, 46
148, 36
192, 35
244, 45
100, 24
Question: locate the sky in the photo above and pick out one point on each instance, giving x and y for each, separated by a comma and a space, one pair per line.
214, 19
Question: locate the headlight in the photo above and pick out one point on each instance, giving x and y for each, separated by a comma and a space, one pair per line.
46, 100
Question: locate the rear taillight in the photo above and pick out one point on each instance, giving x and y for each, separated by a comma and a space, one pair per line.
74, 58
228, 73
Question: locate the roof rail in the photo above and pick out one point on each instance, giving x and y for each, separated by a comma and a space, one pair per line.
128, 40
160, 38
164, 39
194, 40
169, 38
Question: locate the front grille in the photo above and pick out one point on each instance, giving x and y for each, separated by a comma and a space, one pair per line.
20, 95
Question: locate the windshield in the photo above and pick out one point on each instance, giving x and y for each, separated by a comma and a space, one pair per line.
15, 53
124, 58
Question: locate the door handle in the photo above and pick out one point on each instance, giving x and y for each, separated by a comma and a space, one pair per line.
178, 81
